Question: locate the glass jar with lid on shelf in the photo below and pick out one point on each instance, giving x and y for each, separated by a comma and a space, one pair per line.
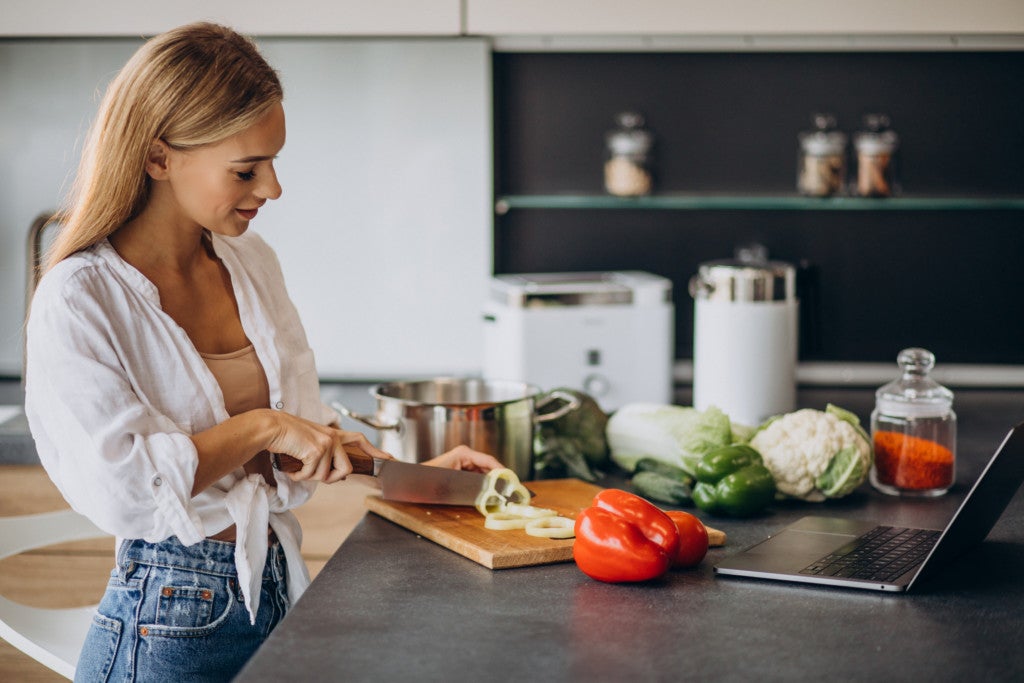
876, 146
628, 166
821, 171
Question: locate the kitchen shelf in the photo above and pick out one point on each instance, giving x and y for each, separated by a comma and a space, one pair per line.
727, 202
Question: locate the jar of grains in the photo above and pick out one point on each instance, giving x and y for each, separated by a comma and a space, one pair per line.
876, 148
913, 428
628, 161
821, 170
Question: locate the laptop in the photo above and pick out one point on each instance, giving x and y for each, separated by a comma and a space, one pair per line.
855, 554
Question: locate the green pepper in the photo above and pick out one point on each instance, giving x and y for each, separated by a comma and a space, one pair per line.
733, 480
725, 460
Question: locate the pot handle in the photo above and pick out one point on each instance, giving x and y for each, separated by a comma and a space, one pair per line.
359, 417
571, 404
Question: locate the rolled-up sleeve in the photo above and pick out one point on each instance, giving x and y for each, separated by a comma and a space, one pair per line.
114, 458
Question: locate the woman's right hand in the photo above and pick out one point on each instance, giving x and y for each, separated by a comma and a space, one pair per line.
320, 450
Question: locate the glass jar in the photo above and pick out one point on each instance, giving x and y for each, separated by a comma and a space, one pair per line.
821, 167
876, 147
628, 162
913, 428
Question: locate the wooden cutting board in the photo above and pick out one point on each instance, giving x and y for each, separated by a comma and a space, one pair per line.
461, 528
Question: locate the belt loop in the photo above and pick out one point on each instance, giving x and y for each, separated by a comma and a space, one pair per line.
124, 565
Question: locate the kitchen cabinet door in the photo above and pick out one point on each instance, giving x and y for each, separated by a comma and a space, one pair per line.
256, 17
384, 230
744, 17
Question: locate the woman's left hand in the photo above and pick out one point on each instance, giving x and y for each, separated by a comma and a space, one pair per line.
465, 458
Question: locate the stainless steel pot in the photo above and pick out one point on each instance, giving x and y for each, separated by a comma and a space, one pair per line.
423, 419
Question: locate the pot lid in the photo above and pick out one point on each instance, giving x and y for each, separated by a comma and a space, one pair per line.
538, 290
743, 280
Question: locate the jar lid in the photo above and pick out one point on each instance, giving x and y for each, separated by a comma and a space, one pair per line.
875, 143
744, 280
877, 138
630, 137
820, 144
824, 138
914, 393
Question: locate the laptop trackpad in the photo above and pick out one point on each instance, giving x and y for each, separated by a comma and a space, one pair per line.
794, 543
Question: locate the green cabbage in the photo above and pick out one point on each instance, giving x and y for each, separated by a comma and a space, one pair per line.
676, 435
573, 445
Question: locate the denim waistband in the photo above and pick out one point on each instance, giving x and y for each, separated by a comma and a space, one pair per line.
213, 557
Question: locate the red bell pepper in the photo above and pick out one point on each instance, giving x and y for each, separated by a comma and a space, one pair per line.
623, 537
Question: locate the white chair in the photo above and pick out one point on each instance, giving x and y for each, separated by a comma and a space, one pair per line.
52, 637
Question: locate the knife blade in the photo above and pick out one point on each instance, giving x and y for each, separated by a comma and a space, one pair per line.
409, 483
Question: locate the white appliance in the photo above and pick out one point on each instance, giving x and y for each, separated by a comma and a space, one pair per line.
609, 334
745, 338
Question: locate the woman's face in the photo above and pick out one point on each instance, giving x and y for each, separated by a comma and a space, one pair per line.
221, 186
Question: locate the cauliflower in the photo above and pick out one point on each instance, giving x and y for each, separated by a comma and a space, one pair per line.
815, 454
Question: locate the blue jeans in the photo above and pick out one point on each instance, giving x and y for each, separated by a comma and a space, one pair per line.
175, 613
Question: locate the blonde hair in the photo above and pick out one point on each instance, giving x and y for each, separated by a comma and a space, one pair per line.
194, 85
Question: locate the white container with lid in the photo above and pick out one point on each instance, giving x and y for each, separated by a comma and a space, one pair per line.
745, 338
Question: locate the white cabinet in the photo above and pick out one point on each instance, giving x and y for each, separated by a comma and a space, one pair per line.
653, 18
255, 17
384, 227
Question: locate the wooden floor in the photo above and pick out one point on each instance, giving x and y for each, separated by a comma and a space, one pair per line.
75, 574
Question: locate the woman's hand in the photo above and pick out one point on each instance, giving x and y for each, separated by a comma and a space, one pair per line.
309, 451
465, 458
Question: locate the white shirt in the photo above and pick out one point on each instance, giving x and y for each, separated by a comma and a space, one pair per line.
114, 387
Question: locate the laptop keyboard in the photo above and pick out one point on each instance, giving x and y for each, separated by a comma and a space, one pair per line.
883, 554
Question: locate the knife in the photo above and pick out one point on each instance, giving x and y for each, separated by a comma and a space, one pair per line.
407, 482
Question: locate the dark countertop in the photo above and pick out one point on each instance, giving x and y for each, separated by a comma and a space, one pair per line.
391, 606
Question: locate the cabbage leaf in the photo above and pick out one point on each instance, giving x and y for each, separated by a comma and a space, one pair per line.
677, 435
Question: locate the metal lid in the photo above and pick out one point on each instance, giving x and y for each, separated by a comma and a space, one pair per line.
535, 290
742, 280
821, 144
631, 137
877, 138
824, 139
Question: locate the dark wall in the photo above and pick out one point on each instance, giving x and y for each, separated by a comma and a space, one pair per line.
871, 282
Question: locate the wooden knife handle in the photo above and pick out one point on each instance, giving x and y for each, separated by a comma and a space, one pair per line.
361, 462
285, 463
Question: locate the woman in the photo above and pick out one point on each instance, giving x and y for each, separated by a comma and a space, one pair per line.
165, 364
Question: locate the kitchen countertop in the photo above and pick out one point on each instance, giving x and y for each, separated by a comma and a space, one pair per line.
390, 605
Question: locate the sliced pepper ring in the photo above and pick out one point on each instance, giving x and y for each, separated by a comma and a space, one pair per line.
551, 527
528, 511
501, 486
503, 521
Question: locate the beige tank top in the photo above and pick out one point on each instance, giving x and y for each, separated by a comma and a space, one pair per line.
244, 385
241, 379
